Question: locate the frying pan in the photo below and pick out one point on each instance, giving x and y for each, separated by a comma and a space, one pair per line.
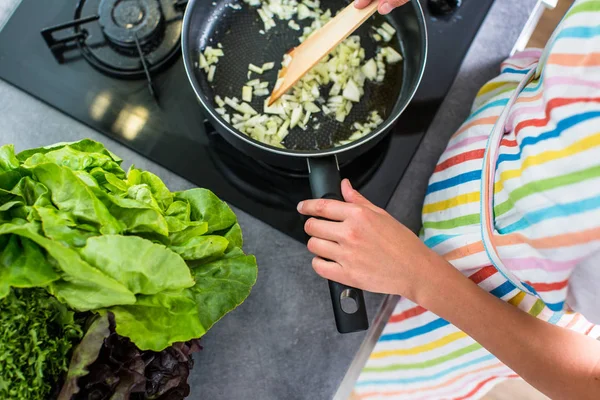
210, 22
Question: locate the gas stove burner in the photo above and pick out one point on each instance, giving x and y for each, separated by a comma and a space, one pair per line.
240, 170
128, 39
124, 20
285, 172
133, 38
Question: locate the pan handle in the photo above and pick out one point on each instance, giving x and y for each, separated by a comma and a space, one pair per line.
348, 303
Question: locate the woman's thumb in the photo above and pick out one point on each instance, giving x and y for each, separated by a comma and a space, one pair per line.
362, 3
353, 196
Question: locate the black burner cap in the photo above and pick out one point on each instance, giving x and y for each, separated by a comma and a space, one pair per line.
121, 20
443, 7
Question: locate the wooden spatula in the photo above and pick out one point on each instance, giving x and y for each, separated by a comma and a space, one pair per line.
321, 43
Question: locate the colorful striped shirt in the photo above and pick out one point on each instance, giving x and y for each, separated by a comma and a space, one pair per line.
514, 204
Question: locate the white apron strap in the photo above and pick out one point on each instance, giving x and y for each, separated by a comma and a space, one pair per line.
488, 175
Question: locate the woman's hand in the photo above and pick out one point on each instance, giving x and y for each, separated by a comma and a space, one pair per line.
385, 6
366, 247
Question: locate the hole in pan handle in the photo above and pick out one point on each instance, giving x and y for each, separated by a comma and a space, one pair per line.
348, 303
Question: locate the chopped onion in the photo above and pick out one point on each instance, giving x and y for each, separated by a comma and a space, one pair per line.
246, 109
208, 59
363, 129
267, 66
351, 91
261, 92
283, 130
306, 118
294, 25
275, 108
211, 73
203, 63
287, 59
278, 83
253, 82
254, 68
219, 101
303, 12
335, 89
391, 55
370, 69
311, 107
388, 28
282, 9
247, 94
312, 4
384, 34
210, 52
232, 102
295, 118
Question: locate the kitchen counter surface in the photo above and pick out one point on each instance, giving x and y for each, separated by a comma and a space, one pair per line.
282, 343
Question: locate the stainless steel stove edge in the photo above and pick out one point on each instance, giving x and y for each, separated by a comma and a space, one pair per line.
7, 8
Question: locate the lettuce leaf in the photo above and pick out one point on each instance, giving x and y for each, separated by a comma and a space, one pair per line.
183, 236
81, 286
234, 236
85, 145
8, 160
157, 321
206, 207
159, 190
137, 263
222, 285
135, 216
23, 265
70, 194
61, 227
84, 355
202, 248
75, 160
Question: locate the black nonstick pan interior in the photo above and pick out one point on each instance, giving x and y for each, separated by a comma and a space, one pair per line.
238, 31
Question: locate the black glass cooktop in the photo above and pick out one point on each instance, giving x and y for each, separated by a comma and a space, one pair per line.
147, 104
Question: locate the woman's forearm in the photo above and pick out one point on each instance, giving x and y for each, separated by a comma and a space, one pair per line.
361, 245
562, 364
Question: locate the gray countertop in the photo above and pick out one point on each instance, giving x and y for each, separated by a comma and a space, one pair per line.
282, 343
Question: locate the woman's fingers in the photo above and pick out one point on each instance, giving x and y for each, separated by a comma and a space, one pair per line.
353, 196
322, 229
385, 6
330, 209
329, 269
324, 248
362, 3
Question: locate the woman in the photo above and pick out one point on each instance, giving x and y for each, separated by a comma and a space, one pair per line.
508, 265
